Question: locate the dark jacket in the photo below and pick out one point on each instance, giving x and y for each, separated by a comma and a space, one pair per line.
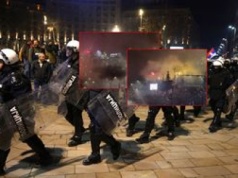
41, 73
218, 82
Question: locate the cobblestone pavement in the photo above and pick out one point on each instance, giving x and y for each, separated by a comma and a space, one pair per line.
193, 153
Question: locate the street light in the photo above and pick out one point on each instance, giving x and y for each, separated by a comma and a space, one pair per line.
45, 20
231, 40
141, 12
116, 29
51, 30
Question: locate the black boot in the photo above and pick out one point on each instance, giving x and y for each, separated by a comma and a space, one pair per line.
92, 159
170, 121
216, 123
176, 116
232, 113
76, 139
230, 116
196, 110
95, 157
3, 158
74, 117
114, 145
131, 125
144, 138
181, 115
38, 146
149, 125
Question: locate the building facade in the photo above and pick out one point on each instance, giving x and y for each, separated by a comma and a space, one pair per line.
21, 20
70, 17
176, 25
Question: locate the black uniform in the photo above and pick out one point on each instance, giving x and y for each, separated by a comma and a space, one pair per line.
97, 134
74, 110
15, 85
150, 122
131, 125
219, 80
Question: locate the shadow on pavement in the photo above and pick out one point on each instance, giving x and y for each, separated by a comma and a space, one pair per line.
29, 162
131, 153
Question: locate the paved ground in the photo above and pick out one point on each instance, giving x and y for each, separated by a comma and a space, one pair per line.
193, 153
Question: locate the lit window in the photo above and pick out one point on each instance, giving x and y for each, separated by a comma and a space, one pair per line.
38, 7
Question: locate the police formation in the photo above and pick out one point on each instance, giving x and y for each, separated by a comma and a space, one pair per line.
103, 107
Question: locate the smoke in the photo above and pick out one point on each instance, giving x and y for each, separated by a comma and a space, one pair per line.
110, 72
104, 73
173, 64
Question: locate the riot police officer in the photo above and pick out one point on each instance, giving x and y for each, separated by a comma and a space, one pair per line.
98, 134
219, 80
13, 86
74, 110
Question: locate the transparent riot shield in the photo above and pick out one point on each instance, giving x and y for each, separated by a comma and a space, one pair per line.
110, 110
5, 123
64, 82
22, 116
231, 97
59, 77
18, 116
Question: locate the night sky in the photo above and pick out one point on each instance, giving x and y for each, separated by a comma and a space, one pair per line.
212, 16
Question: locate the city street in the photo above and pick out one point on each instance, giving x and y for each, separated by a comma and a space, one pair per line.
193, 153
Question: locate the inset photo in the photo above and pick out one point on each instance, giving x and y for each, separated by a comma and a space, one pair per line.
103, 57
167, 77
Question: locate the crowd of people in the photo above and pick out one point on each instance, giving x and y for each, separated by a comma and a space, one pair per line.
40, 65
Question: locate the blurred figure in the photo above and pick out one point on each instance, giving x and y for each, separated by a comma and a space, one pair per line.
51, 51
62, 55
219, 80
23, 56
34, 51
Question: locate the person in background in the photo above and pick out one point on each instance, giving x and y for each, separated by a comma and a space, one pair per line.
23, 56
41, 72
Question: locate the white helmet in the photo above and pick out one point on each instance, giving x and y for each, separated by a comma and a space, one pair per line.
217, 63
227, 60
221, 60
9, 56
74, 44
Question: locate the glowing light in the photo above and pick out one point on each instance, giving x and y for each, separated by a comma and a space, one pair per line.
152, 73
154, 86
116, 29
141, 12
